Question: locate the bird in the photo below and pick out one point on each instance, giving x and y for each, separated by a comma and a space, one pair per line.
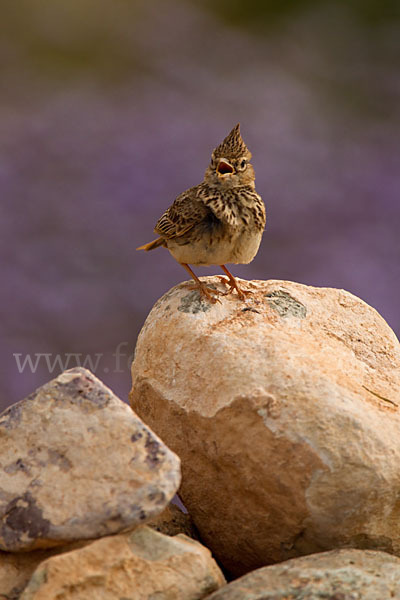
219, 221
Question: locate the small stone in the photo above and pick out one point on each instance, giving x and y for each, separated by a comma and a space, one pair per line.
77, 463
16, 568
173, 521
139, 565
335, 575
284, 410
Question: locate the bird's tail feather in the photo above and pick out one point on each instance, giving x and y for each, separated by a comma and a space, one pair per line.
151, 245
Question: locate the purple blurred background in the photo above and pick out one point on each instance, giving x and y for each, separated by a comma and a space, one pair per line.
109, 110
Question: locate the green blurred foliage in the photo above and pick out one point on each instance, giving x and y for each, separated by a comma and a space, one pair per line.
347, 51
98, 39
265, 13
67, 39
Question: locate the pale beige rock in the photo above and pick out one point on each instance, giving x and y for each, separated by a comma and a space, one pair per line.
284, 412
140, 565
335, 575
77, 463
173, 521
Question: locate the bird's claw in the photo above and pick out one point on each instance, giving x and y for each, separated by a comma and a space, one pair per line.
232, 287
209, 293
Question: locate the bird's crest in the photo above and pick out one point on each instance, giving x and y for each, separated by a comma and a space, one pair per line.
233, 146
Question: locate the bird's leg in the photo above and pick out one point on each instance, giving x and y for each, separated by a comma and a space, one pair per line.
233, 284
203, 289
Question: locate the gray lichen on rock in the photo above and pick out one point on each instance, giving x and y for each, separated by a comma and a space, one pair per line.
194, 303
285, 305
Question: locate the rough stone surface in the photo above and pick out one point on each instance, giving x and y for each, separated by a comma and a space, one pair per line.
284, 412
139, 565
77, 463
335, 575
173, 521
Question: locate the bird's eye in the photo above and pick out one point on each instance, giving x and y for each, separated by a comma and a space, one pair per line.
243, 163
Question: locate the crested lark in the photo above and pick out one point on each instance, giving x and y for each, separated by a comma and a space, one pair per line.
219, 221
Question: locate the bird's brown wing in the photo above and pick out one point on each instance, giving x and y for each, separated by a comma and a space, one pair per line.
184, 214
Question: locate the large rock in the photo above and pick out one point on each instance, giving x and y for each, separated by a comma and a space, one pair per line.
77, 463
284, 412
335, 575
143, 565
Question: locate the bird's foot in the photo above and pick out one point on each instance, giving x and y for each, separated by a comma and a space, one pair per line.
233, 285
209, 293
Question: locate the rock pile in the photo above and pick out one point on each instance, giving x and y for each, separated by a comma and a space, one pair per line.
76, 465
284, 413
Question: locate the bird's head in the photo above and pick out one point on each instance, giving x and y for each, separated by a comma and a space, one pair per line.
230, 163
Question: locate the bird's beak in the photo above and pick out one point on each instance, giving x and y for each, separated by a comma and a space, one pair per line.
224, 168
